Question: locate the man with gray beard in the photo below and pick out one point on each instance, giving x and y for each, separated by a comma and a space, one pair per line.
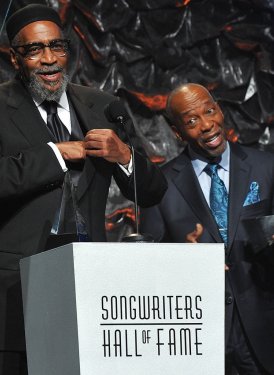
58, 155
41, 92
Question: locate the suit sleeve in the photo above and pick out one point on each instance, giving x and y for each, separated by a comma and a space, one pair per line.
32, 170
268, 253
150, 182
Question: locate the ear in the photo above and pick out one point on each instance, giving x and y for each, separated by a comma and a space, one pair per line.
14, 59
177, 133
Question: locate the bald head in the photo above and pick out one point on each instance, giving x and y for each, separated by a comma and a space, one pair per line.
198, 119
181, 96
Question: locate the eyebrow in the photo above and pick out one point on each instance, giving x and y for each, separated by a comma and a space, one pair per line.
39, 42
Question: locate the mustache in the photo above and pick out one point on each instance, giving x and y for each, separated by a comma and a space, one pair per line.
49, 69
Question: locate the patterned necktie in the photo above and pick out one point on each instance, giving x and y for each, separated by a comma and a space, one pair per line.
57, 129
218, 200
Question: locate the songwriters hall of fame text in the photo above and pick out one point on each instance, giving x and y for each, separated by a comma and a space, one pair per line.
169, 325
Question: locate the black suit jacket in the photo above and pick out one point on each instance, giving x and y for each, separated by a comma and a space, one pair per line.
31, 180
250, 280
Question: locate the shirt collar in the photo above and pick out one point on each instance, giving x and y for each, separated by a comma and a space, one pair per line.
199, 162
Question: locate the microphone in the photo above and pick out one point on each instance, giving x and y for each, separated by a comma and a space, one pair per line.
115, 112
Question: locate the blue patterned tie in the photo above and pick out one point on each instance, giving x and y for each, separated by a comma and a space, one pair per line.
218, 200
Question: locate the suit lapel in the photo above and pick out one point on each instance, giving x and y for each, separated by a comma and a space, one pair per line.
26, 116
83, 106
27, 119
188, 185
238, 186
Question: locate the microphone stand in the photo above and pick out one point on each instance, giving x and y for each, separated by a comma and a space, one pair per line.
134, 237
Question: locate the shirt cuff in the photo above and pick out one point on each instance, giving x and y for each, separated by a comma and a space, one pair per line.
59, 156
127, 168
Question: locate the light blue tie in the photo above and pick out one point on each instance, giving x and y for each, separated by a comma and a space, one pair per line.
218, 199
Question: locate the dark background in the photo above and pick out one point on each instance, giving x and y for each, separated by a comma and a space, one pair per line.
141, 49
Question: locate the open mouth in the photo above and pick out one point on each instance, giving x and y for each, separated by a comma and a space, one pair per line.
214, 141
50, 76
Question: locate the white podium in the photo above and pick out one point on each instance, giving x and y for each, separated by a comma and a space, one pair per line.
125, 309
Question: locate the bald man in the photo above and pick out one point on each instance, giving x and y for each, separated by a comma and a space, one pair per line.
213, 186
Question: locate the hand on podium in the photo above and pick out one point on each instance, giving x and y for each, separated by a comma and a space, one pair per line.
193, 237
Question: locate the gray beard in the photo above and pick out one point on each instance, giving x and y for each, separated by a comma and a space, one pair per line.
40, 92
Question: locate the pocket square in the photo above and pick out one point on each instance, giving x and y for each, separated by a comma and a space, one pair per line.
253, 195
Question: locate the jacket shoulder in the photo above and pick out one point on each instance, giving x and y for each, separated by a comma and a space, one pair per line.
86, 93
253, 154
175, 164
5, 87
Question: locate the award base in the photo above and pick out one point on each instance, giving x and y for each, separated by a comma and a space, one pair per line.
138, 237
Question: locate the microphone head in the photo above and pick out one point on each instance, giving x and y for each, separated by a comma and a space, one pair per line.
115, 111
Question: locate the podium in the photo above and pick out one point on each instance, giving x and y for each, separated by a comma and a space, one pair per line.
125, 309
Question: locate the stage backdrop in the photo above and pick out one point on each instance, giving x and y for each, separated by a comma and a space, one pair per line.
140, 50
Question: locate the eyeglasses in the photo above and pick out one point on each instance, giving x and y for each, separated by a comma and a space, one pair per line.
34, 51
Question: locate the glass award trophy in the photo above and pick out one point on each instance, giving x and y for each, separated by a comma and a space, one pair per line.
68, 219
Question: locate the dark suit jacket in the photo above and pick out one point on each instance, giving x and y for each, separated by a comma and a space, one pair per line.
250, 280
30, 188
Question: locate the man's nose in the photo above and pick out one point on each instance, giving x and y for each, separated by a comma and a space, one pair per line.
48, 57
206, 124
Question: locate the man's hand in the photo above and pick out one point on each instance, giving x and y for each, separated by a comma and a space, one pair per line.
194, 236
106, 144
73, 151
